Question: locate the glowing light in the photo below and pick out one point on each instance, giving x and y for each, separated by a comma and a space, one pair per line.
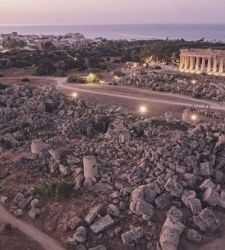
74, 95
116, 78
143, 109
194, 81
91, 78
194, 117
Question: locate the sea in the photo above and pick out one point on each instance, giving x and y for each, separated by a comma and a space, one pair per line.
189, 32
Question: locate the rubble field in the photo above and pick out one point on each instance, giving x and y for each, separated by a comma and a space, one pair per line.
95, 177
197, 86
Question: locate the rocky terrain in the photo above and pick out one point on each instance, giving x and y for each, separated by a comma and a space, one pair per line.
197, 86
97, 178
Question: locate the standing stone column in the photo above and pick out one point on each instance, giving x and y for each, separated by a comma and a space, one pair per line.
191, 63
209, 68
215, 63
182, 62
187, 63
221, 65
197, 64
203, 65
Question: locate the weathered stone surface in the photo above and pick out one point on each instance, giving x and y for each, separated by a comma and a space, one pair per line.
205, 169
21, 201
90, 168
37, 147
113, 210
34, 212
171, 230
207, 221
64, 170
80, 234
208, 183
174, 187
132, 236
190, 179
193, 236
144, 208
141, 198
74, 222
102, 224
92, 214
35, 203
18, 213
196, 206
222, 199
211, 197
187, 196
56, 154
163, 201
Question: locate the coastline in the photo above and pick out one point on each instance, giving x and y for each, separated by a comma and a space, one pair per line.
188, 32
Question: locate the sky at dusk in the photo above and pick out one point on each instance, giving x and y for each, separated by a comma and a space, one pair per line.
111, 11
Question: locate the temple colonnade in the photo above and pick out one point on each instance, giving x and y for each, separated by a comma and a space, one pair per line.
200, 61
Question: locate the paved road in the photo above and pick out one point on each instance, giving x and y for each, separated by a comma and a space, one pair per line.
45, 241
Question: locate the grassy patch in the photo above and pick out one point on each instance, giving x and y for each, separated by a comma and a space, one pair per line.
55, 189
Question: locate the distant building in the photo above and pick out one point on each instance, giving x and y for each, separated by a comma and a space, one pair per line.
200, 61
14, 33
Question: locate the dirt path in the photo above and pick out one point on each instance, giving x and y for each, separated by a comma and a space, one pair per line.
130, 93
142, 96
45, 241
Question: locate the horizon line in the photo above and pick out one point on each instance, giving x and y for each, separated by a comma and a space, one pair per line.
104, 24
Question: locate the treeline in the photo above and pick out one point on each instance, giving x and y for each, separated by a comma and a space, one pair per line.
51, 61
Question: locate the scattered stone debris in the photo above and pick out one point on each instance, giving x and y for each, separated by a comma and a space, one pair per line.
102, 224
92, 169
132, 236
196, 86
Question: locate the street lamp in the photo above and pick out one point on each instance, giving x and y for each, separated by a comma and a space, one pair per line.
142, 109
74, 95
194, 117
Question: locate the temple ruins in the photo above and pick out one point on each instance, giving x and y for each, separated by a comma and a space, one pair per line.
200, 61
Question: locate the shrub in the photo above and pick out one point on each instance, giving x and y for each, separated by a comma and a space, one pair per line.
119, 73
75, 79
93, 78
25, 80
2, 86
55, 189
101, 123
60, 73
